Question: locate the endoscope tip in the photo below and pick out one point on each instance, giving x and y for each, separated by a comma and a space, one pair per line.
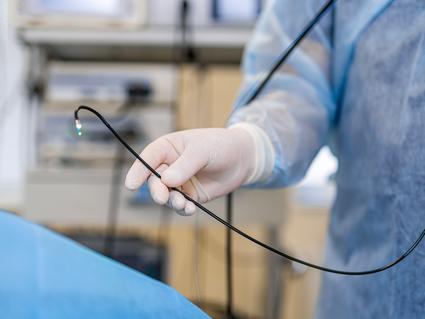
78, 126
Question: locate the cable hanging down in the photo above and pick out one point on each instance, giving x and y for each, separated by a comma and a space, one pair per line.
234, 228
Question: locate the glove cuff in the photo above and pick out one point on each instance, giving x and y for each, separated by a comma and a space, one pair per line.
263, 150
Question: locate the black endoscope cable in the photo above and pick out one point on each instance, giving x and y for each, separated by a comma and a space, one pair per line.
235, 229
287, 52
254, 94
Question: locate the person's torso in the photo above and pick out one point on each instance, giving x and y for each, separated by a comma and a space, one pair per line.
380, 139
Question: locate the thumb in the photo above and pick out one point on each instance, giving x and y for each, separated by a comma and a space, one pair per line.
187, 165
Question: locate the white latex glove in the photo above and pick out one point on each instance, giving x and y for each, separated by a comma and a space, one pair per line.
203, 163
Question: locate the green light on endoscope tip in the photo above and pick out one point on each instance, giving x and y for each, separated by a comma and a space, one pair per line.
78, 127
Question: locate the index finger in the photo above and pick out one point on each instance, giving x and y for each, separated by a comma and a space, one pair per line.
158, 152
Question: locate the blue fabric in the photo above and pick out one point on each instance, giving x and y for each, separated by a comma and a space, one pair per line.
44, 275
358, 81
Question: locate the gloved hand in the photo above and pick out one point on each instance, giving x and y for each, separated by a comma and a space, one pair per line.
204, 163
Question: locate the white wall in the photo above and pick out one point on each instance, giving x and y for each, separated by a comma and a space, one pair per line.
12, 112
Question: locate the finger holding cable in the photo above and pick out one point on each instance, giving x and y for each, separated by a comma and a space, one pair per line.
158, 190
181, 174
162, 195
156, 153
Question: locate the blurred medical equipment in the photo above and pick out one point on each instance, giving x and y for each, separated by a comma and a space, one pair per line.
206, 12
132, 14
111, 86
109, 82
62, 163
81, 14
236, 12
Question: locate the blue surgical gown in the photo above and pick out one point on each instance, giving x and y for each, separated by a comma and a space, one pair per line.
356, 83
46, 276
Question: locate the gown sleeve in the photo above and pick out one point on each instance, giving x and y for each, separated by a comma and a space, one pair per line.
297, 107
